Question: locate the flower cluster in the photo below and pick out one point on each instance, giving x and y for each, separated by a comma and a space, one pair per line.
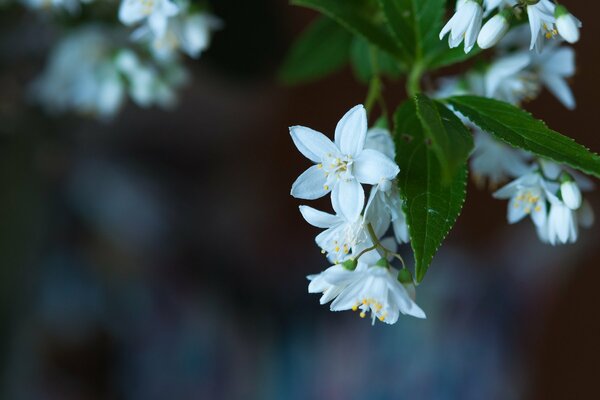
549, 193
95, 67
361, 277
546, 20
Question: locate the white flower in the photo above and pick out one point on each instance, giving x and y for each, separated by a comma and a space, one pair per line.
508, 79
369, 288
342, 166
155, 12
377, 290
566, 24
527, 196
571, 194
340, 237
562, 222
585, 215
554, 66
541, 23
494, 30
385, 205
190, 33
81, 76
464, 24
494, 161
491, 5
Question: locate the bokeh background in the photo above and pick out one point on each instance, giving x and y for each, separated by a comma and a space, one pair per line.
160, 256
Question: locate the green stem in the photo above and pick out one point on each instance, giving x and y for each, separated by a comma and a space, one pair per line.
413, 83
373, 94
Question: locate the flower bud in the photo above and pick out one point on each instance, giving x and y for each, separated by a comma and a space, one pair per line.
383, 263
404, 276
350, 264
566, 24
570, 193
494, 30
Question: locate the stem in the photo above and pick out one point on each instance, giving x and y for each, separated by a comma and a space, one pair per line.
373, 94
413, 84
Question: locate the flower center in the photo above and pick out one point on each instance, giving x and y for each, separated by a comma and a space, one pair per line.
336, 168
529, 200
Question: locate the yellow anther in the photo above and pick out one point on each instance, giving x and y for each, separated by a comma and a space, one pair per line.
337, 248
326, 187
362, 314
382, 318
319, 165
364, 301
354, 307
538, 208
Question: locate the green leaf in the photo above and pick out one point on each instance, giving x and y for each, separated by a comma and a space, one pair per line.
520, 129
323, 48
361, 17
367, 61
448, 138
431, 206
415, 24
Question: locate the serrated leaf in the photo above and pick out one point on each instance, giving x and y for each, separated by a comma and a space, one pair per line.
520, 129
362, 57
431, 206
323, 48
361, 17
447, 135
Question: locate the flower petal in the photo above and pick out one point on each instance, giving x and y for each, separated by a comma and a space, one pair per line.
310, 185
372, 167
351, 131
318, 218
312, 144
349, 198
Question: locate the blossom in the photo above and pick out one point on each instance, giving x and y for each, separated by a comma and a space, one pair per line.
494, 161
81, 75
562, 225
554, 65
571, 194
566, 24
494, 30
541, 23
464, 24
190, 33
342, 166
156, 13
509, 79
527, 196
369, 288
385, 205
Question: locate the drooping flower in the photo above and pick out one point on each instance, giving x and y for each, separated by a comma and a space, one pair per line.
527, 196
509, 79
465, 24
541, 23
566, 24
155, 13
562, 226
369, 288
342, 166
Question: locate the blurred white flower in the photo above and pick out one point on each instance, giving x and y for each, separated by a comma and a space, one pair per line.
155, 13
553, 66
190, 33
509, 79
494, 162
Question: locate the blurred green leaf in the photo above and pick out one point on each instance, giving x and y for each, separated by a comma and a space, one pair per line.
361, 17
323, 48
430, 205
365, 59
520, 129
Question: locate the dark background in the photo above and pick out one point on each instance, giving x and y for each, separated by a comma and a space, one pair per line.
161, 256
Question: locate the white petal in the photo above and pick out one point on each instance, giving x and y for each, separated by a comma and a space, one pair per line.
318, 218
571, 195
516, 211
585, 215
312, 144
560, 89
310, 185
351, 131
350, 198
372, 167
